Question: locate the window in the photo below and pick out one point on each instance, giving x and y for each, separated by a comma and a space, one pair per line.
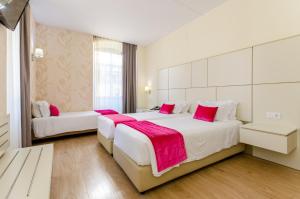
107, 74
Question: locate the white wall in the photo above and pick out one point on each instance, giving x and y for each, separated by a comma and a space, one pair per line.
236, 24
2, 70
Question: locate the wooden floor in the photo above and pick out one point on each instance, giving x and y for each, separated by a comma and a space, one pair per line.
82, 169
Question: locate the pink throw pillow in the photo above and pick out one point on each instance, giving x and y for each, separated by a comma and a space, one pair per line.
54, 111
167, 108
206, 113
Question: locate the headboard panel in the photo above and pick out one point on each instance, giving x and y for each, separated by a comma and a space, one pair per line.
177, 95
163, 79
163, 96
199, 73
4, 134
180, 76
240, 94
193, 95
223, 77
229, 69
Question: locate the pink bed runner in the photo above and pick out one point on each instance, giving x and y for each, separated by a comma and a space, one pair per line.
106, 112
119, 118
168, 143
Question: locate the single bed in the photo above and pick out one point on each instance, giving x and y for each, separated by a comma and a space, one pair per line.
205, 143
106, 127
66, 123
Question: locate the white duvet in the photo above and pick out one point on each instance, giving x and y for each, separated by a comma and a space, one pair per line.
201, 139
66, 122
107, 127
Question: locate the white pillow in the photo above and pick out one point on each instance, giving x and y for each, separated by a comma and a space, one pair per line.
234, 106
180, 107
44, 108
35, 109
226, 109
231, 105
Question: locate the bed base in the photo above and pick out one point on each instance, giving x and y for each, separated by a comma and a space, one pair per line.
143, 179
106, 143
63, 134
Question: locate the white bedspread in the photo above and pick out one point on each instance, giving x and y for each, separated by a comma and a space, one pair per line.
66, 122
201, 139
107, 127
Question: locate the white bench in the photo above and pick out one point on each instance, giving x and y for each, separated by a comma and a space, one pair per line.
26, 172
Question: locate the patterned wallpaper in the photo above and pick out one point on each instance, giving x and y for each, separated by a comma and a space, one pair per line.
64, 76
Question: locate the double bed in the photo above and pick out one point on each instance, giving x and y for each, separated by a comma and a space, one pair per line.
205, 143
106, 126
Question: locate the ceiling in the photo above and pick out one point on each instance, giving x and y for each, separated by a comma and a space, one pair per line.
134, 21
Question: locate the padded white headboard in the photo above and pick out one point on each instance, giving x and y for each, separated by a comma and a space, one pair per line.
4, 134
223, 77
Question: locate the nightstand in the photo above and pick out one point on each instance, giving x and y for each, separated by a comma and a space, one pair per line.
279, 138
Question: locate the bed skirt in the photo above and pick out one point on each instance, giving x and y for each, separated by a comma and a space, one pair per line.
106, 143
63, 134
143, 179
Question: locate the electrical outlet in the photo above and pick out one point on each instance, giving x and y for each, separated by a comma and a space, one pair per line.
273, 115
276, 115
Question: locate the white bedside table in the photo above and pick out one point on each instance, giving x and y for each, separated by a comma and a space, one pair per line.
279, 138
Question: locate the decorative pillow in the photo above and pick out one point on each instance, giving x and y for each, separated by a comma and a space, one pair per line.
167, 108
226, 109
206, 113
54, 111
35, 109
44, 108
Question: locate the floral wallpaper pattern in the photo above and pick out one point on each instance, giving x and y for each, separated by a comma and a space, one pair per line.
64, 76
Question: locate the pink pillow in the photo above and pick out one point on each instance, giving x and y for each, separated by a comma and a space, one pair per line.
54, 111
206, 113
167, 108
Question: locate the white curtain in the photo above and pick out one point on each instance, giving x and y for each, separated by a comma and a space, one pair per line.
107, 74
13, 87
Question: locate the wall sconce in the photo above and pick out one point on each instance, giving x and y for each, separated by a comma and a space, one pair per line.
148, 89
4, 3
38, 53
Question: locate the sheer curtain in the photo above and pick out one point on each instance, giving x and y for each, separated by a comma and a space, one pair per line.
107, 74
13, 87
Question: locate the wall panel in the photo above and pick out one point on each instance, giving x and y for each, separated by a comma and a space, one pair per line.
180, 76
163, 79
240, 94
177, 95
277, 61
163, 96
193, 95
233, 68
199, 73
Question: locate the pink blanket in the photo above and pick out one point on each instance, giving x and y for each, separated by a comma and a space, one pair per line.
168, 143
106, 112
119, 118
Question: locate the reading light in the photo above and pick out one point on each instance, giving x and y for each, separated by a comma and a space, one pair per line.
38, 53
148, 89
3, 3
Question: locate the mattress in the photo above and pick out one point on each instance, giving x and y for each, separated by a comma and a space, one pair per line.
107, 127
66, 122
201, 139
